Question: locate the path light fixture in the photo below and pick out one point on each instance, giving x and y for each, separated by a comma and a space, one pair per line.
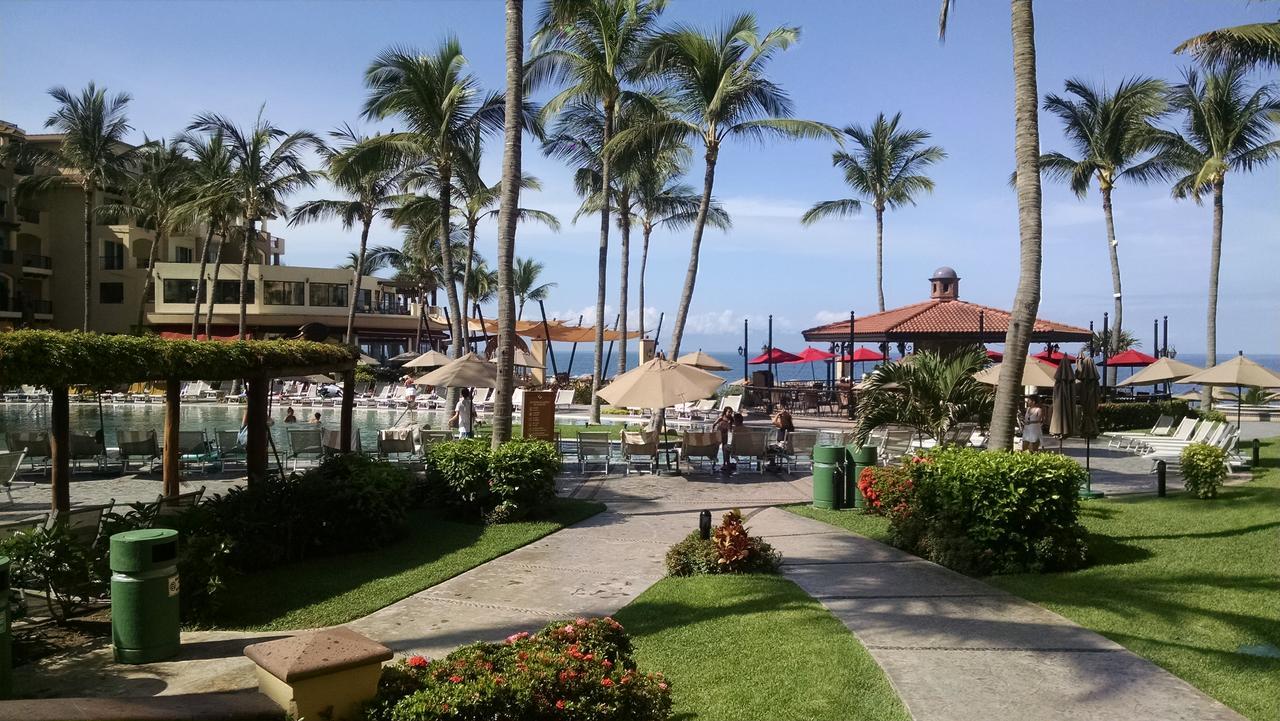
704, 525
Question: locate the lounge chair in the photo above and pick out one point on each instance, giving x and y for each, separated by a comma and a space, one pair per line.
640, 448
517, 398
1162, 427
732, 402
429, 437
34, 443
397, 442
594, 447
1184, 431
137, 445
898, 441
9, 529
751, 446
960, 434
331, 441
305, 442
230, 449
564, 398
84, 447
1206, 432
84, 523
166, 507
703, 446
798, 447
194, 449
10, 462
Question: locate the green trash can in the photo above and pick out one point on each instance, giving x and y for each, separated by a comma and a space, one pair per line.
858, 458
144, 595
6, 634
828, 476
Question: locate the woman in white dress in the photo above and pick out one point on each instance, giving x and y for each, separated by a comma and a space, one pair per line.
1031, 425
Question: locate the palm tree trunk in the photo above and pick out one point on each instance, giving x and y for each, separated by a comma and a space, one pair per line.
422, 316
880, 257
204, 262
520, 309
1114, 251
1026, 301
624, 211
456, 321
88, 249
217, 267
691, 274
355, 281
249, 237
507, 213
1211, 322
602, 264
466, 268
147, 283
644, 262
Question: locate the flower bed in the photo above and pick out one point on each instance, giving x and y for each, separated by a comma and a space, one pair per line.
729, 550
576, 670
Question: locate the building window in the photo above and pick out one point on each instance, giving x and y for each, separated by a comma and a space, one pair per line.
329, 295
182, 255
181, 290
228, 291
112, 256
364, 302
284, 292
111, 292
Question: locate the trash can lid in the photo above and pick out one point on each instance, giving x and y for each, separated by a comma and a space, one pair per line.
827, 454
866, 455
145, 535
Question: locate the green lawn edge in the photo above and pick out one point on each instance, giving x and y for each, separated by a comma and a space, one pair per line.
1185, 583
330, 591
748, 647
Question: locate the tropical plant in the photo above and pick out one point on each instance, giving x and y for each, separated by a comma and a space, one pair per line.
269, 165
1117, 341
214, 201
525, 285
886, 170
483, 286
1203, 468
1026, 152
1113, 134
719, 91
92, 152
928, 391
1255, 44
446, 114
157, 193
371, 183
1253, 396
592, 46
1225, 129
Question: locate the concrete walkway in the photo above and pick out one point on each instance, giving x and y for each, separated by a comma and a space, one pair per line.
957, 649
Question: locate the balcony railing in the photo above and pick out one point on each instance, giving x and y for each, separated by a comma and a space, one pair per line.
6, 257
41, 307
15, 304
382, 309
113, 262
28, 215
34, 260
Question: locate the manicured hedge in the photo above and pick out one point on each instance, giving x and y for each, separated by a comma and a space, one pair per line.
54, 358
507, 484
1124, 416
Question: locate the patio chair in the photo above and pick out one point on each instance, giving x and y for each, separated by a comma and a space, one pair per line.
1185, 429
1206, 432
731, 402
10, 462
194, 449
230, 450
799, 447
1163, 427
703, 446
960, 434
305, 442
84, 523
594, 446
168, 507
83, 446
331, 441
429, 437
396, 442
640, 448
34, 443
517, 398
751, 446
898, 441
137, 445
9, 529
564, 398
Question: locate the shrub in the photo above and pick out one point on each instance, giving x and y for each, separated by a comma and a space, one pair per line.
52, 561
458, 473
980, 512
577, 670
523, 478
1204, 468
1123, 416
885, 489
729, 550
1211, 415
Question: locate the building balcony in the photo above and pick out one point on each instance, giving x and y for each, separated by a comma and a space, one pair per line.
383, 309
37, 264
28, 215
16, 306
7, 257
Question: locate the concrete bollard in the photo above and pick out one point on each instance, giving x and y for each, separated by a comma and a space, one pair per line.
327, 674
1257, 453
1161, 470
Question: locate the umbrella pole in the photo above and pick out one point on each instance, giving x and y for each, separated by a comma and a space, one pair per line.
547, 333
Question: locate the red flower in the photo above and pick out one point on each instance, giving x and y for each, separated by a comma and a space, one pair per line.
606, 682
607, 663
560, 704
662, 685
455, 679
588, 657
418, 662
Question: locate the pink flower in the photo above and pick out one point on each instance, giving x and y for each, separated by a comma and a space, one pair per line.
607, 663
662, 685
581, 622
569, 629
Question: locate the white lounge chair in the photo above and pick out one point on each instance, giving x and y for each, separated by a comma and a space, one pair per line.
564, 398
10, 462
640, 448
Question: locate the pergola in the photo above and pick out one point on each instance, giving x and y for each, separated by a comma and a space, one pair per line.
58, 360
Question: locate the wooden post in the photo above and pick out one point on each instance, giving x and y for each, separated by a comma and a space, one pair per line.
256, 420
348, 406
172, 423
59, 449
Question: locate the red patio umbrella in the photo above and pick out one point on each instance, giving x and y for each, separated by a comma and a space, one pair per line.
863, 355
775, 355
995, 355
811, 354
1053, 357
1131, 359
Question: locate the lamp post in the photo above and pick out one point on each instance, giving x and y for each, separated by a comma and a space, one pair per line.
851, 342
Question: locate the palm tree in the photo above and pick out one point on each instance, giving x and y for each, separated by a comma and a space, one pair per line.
368, 266
268, 167
158, 192
1225, 129
445, 113
371, 183
484, 284
214, 200
886, 170
931, 393
525, 285
1111, 133
592, 45
1026, 153
1255, 44
92, 151
719, 91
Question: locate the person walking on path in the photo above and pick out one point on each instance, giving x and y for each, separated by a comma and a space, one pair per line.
463, 413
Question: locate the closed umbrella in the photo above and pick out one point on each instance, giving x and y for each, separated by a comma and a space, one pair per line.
706, 362
1088, 395
469, 371
660, 383
1062, 419
1238, 372
430, 359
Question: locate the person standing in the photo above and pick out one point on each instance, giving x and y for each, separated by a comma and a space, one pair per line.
1031, 424
464, 414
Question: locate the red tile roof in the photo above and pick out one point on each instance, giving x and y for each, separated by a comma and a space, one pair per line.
940, 318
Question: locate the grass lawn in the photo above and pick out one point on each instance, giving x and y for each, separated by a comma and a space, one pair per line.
755, 647
1182, 582
327, 591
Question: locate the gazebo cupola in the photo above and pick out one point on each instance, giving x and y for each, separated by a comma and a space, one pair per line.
945, 284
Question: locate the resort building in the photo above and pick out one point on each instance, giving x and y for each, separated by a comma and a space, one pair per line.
42, 275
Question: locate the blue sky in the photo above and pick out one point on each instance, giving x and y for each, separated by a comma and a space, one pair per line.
305, 61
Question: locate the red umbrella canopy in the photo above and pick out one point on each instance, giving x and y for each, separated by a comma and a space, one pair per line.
1131, 359
862, 355
1053, 357
995, 355
811, 354
775, 355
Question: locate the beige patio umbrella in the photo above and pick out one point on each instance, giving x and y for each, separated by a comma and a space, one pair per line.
660, 383
469, 371
1238, 372
366, 360
1035, 373
525, 359
698, 359
430, 359
1165, 370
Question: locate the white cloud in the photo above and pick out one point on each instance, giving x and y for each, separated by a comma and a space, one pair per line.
824, 317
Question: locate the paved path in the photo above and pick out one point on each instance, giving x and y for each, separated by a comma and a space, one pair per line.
957, 649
